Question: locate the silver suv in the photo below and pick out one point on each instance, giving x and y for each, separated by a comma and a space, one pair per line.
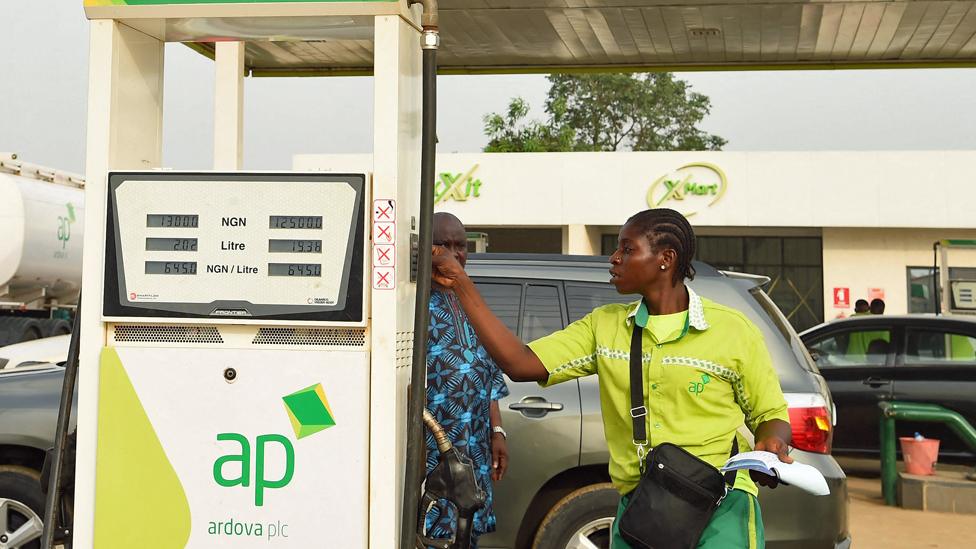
557, 492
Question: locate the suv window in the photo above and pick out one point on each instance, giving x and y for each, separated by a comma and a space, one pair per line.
853, 348
503, 300
583, 298
938, 347
543, 314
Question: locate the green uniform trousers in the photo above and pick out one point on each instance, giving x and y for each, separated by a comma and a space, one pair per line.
737, 523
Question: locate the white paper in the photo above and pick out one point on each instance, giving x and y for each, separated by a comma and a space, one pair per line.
797, 474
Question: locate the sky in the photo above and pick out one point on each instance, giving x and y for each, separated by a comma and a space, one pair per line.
44, 79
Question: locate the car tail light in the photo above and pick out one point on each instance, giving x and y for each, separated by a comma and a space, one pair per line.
811, 428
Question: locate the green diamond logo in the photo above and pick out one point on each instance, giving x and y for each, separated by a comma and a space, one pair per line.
309, 411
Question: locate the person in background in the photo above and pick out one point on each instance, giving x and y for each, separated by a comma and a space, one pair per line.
463, 388
877, 352
861, 307
706, 367
859, 342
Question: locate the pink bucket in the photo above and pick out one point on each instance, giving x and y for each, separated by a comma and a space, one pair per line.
920, 455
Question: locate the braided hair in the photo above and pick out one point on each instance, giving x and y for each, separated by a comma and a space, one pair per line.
666, 228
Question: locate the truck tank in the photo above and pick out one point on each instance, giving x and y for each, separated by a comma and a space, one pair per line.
41, 223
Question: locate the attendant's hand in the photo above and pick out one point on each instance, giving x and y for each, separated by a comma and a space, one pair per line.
499, 456
777, 446
445, 269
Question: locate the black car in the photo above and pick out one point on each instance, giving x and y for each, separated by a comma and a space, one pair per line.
914, 358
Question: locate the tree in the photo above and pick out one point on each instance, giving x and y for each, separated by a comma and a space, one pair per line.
607, 112
511, 134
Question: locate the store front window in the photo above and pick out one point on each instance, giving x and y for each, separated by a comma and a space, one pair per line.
520, 241
793, 264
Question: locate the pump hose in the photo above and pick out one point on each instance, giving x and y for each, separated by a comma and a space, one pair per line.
54, 488
414, 467
443, 444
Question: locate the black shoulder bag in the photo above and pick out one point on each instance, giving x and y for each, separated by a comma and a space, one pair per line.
677, 493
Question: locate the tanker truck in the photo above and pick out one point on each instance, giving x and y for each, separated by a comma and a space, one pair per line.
41, 225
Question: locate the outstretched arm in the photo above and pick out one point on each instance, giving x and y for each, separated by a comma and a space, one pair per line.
512, 356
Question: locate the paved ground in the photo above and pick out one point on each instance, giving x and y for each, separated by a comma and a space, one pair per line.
876, 526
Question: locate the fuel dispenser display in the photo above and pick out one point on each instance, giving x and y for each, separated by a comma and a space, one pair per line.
247, 246
234, 387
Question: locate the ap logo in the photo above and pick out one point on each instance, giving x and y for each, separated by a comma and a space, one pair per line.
309, 413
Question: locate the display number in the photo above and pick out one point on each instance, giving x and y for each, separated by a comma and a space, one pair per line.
173, 220
171, 267
294, 269
171, 244
296, 222
295, 246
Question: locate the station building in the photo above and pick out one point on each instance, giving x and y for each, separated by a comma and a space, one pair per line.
828, 228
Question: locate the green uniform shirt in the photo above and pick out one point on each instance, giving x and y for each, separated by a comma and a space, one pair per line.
663, 327
700, 385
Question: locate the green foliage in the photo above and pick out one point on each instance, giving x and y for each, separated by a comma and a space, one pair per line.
511, 133
607, 112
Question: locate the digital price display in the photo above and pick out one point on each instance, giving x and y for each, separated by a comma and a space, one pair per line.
294, 246
294, 269
171, 244
295, 222
236, 245
173, 220
171, 267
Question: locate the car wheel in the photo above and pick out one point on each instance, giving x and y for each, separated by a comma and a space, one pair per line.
21, 508
581, 520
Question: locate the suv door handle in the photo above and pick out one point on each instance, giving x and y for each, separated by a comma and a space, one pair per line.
535, 407
876, 382
547, 406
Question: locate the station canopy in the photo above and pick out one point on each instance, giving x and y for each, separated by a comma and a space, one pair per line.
513, 36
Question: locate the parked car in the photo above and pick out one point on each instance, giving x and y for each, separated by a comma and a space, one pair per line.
915, 358
29, 400
557, 493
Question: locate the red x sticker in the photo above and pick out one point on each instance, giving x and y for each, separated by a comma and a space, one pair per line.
384, 255
384, 233
384, 278
384, 210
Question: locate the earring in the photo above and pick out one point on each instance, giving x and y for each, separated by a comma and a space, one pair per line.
663, 267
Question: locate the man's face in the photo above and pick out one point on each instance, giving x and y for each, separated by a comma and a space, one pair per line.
634, 265
449, 233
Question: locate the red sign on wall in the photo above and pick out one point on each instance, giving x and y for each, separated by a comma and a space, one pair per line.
842, 298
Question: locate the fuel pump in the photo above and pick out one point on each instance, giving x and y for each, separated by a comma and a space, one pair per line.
246, 343
237, 367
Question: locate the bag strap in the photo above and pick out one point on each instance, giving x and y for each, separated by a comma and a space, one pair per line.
730, 475
637, 409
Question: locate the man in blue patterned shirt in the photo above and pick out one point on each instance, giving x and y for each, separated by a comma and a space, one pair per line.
463, 388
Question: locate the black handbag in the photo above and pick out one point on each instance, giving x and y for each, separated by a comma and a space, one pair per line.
678, 493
